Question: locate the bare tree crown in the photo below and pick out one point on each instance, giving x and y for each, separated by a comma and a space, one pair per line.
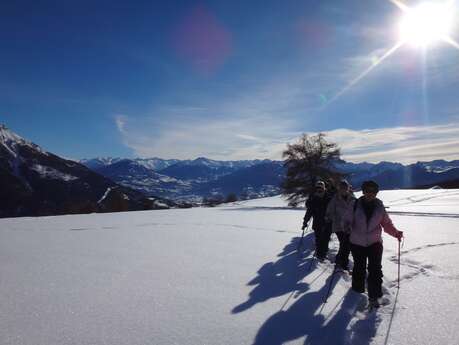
307, 161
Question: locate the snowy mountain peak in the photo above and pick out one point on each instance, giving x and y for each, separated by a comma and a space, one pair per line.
155, 163
11, 141
205, 161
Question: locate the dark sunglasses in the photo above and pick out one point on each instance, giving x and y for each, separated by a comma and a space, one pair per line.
370, 191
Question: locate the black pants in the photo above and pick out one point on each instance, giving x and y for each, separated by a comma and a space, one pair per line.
374, 255
322, 235
342, 258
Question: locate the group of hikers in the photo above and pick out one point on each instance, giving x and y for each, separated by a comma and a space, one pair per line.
358, 224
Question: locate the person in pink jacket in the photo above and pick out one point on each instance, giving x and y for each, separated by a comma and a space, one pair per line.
369, 218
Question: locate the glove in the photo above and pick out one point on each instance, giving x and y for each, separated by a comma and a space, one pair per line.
305, 225
399, 235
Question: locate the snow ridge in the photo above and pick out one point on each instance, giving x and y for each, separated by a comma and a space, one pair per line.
51, 173
105, 195
10, 141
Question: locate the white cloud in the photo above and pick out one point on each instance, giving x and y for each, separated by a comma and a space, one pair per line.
247, 124
229, 138
120, 121
262, 137
399, 144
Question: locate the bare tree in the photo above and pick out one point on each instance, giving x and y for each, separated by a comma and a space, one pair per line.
306, 161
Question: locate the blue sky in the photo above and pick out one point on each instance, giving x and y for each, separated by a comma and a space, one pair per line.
224, 79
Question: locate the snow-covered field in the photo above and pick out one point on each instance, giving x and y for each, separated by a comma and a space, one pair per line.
225, 275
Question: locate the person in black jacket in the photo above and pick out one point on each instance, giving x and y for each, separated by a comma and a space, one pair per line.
316, 207
331, 188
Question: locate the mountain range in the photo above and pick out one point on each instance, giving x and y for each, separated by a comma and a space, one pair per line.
36, 182
192, 180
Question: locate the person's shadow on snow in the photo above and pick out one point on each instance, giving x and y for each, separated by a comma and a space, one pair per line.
299, 319
284, 276
304, 318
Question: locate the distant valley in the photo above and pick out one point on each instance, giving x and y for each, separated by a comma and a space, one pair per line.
193, 180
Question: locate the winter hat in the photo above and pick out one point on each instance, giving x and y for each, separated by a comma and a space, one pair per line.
370, 185
320, 184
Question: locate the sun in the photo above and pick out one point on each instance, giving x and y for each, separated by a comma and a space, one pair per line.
426, 24
420, 26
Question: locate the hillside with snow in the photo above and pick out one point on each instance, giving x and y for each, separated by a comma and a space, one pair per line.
35, 182
224, 275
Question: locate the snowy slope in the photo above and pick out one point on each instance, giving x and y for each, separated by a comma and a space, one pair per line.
35, 182
11, 141
224, 275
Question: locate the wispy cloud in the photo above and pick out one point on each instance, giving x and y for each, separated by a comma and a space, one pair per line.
229, 138
120, 121
253, 122
399, 144
258, 137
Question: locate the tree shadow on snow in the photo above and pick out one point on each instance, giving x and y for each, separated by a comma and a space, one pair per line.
284, 276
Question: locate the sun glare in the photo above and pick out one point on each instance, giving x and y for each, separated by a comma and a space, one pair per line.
425, 24
421, 26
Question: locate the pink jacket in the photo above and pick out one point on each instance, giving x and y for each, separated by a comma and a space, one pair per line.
365, 233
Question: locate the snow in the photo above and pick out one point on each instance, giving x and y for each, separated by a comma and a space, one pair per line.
223, 275
166, 179
423, 202
105, 195
155, 163
10, 141
51, 173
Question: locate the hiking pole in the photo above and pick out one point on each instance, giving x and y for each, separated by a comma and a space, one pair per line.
396, 296
330, 285
310, 265
301, 242
398, 277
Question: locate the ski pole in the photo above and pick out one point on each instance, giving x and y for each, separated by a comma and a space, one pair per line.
330, 285
310, 265
398, 277
301, 242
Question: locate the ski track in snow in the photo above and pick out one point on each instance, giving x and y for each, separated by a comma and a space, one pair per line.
422, 197
417, 268
427, 246
424, 214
